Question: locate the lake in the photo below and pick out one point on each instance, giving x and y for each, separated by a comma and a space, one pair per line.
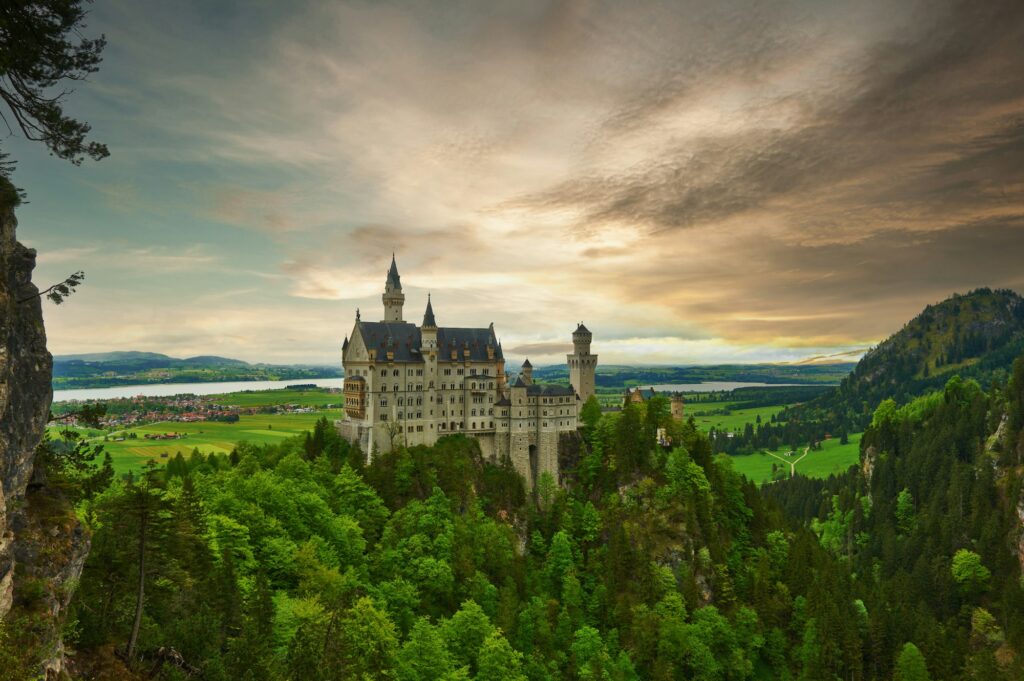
711, 386
169, 389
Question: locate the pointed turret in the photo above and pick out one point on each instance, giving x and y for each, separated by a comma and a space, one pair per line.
428, 316
527, 372
393, 297
394, 282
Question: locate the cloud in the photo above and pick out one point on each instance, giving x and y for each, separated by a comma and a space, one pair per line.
695, 179
550, 348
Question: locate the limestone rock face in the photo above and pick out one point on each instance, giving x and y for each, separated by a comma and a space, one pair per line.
25, 391
41, 540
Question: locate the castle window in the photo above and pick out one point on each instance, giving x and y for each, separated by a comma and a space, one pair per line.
447, 372
461, 372
395, 372
474, 413
474, 425
419, 414
472, 372
383, 416
401, 402
419, 372
383, 372
383, 401
472, 386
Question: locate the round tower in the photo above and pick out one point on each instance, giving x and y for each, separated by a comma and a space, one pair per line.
678, 404
582, 364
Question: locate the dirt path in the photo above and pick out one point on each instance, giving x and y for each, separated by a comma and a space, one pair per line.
792, 464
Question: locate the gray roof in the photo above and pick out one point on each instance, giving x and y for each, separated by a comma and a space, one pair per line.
405, 340
550, 390
526, 364
476, 340
581, 329
403, 337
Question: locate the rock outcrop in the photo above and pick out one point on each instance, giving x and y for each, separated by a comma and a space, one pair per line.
42, 544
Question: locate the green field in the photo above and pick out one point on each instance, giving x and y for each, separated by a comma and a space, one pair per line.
206, 436
316, 397
831, 458
734, 420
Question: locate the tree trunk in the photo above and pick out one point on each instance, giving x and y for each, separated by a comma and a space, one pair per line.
142, 586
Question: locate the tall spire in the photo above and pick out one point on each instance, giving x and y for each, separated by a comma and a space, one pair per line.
428, 316
394, 282
393, 297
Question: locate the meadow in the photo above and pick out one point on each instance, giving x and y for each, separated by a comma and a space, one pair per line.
736, 419
206, 436
832, 458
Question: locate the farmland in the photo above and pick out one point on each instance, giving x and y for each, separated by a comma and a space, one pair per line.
206, 436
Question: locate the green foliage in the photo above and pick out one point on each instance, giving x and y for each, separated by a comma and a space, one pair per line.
43, 46
289, 562
969, 572
910, 665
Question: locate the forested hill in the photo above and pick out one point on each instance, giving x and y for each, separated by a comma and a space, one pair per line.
976, 335
104, 369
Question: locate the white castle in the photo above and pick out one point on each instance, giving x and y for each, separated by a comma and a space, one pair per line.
408, 385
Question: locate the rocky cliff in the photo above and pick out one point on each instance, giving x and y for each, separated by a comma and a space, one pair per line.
42, 544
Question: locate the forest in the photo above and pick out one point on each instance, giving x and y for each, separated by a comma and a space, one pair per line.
300, 560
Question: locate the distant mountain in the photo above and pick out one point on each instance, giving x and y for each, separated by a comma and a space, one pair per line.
620, 376
214, 361
977, 335
96, 370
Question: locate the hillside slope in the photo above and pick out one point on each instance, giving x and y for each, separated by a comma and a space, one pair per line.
132, 368
976, 335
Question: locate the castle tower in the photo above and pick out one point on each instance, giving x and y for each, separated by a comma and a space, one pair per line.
527, 372
677, 406
582, 364
429, 328
393, 297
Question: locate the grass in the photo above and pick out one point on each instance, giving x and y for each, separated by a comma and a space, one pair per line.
315, 397
206, 436
734, 420
832, 458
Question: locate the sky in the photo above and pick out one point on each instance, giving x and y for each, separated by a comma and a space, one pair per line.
698, 182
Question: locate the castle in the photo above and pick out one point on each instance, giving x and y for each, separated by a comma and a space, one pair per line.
408, 385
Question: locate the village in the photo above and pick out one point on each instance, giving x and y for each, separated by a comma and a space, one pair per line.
141, 410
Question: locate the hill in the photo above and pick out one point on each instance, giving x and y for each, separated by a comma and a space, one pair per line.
98, 370
976, 335
619, 376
